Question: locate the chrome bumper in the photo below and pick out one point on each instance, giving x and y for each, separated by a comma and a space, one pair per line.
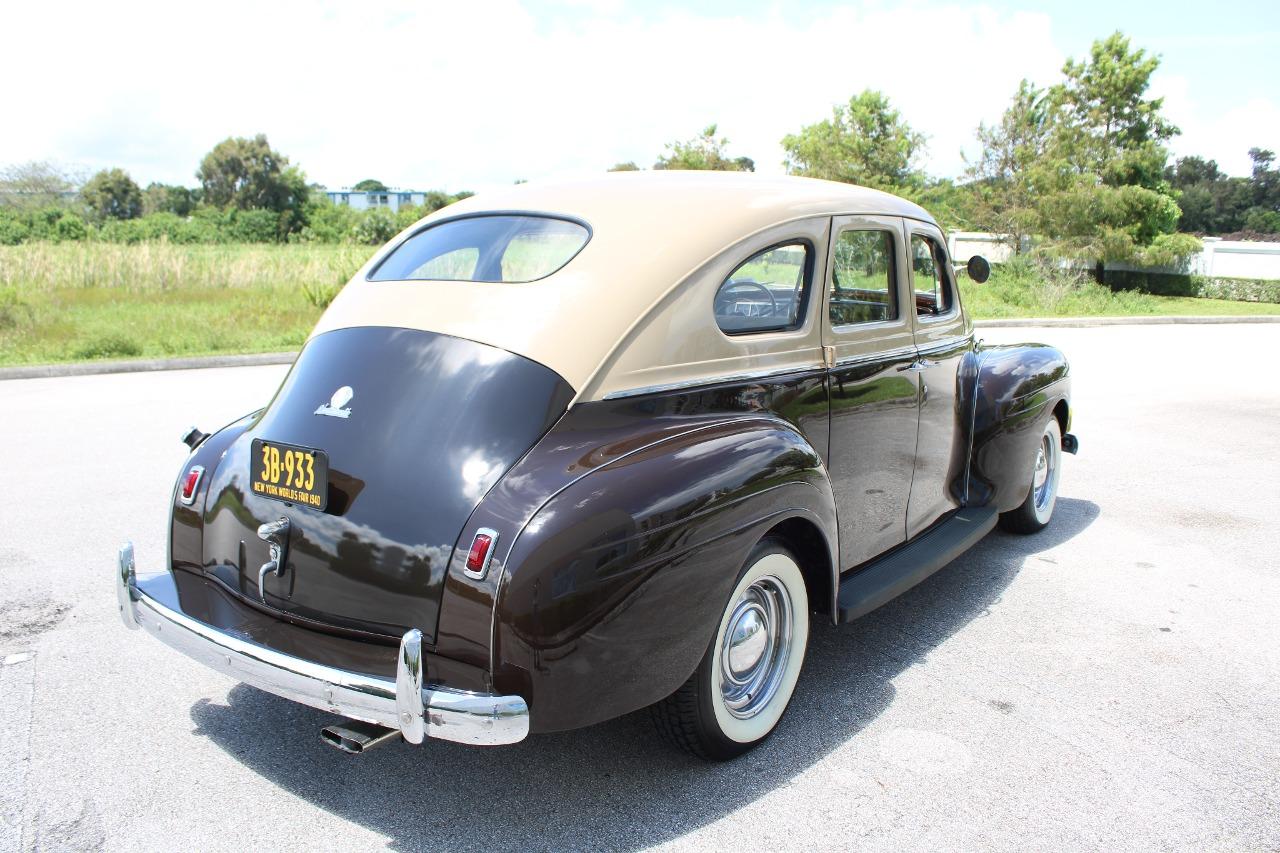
404, 704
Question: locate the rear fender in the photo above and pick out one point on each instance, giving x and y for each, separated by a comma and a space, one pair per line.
612, 591
186, 528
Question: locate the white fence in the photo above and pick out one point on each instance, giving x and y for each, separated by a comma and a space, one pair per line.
1220, 258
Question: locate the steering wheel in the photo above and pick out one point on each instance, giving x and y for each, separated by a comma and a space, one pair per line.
726, 297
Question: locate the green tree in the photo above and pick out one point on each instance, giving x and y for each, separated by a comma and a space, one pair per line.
247, 174
864, 142
703, 152
369, 185
1003, 197
1100, 188
112, 194
628, 166
169, 198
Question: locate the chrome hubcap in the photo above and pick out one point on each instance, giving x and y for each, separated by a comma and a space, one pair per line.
1045, 479
755, 647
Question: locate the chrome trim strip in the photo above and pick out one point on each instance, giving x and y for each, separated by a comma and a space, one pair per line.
943, 346
455, 715
883, 355
707, 381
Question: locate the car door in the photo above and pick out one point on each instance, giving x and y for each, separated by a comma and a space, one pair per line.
943, 337
869, 343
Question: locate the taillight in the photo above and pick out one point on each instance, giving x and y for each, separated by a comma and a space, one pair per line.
190, 483
481, 552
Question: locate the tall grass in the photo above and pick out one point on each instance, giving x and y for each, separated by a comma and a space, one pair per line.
84, 300
143, 267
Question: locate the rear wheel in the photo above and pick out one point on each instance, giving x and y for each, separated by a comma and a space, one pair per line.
736, 697
1036, 511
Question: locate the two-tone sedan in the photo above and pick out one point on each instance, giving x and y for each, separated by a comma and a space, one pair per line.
565, 451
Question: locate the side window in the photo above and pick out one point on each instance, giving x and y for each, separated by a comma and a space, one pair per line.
765, 293
929, 278
862, 279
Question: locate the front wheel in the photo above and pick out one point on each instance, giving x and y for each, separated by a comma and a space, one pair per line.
736, 697
1036, 511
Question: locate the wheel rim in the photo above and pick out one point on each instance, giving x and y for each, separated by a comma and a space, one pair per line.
1044, 484
755, 647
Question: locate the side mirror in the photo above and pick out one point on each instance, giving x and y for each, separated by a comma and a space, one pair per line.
978, 268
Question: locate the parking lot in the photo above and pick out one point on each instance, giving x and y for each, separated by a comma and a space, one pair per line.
1111, 682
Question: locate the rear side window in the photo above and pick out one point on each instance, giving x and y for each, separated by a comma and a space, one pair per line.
508, 248
766, 292
929, 278
862, 279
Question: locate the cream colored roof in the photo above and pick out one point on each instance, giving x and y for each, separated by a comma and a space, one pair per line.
650, 232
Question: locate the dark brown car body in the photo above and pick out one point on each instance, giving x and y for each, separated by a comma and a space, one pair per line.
622, 522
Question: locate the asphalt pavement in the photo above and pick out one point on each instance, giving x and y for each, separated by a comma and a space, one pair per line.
1113, 682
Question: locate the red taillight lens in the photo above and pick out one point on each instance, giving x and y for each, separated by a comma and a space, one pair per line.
478, 557
190, 483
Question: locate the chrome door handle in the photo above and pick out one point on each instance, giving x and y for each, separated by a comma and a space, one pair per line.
913, 367
276, 535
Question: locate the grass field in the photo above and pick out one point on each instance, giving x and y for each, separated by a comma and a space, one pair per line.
77, 301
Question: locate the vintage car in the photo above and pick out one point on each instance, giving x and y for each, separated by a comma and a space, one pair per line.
561, 452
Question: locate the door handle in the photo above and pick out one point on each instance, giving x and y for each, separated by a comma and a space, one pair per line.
913, 367
276, 535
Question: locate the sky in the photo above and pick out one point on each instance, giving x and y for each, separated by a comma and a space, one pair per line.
431, 95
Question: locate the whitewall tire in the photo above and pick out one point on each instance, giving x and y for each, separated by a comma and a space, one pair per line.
1035, 513
746, 678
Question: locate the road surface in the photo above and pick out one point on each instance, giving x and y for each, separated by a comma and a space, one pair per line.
1111, 682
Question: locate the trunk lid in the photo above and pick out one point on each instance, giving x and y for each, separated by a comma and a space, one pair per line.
429, 423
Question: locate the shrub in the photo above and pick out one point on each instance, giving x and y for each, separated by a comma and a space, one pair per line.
1238, 289
108, 346
377, 227
327, 223
1146, 281
70, 227
254, 226
13, 229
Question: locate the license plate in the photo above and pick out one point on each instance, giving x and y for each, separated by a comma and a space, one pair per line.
290, 473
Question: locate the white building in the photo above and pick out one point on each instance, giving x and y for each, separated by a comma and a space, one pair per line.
392, 199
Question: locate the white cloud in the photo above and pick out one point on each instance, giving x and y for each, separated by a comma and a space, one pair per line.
463, 95
1215, 130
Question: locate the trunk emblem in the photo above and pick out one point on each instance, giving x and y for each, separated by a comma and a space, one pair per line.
334, 408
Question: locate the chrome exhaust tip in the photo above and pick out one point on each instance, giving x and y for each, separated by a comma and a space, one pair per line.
355, 737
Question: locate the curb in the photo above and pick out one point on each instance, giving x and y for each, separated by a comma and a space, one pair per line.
93, 368
1092, 322
142, 365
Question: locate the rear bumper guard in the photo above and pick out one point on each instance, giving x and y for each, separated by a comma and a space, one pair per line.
405, 704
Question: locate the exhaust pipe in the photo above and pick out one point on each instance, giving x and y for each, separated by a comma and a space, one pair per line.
355, 737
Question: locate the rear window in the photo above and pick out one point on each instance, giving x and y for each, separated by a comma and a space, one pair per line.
485, 248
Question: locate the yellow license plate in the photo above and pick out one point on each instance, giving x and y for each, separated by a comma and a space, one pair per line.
286, 472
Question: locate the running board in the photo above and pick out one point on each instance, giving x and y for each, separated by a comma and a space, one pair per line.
893, 574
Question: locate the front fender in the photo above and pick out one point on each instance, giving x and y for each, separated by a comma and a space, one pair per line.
1018, 388
612, 591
